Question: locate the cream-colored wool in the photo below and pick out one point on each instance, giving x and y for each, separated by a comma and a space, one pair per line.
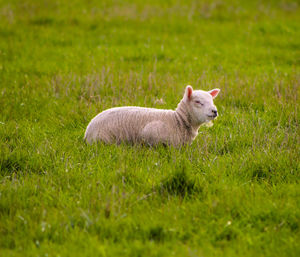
153, 126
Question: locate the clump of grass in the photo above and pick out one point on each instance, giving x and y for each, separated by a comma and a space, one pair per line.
157, 234
180, 183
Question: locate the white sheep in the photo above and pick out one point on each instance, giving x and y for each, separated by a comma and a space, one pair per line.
153, 126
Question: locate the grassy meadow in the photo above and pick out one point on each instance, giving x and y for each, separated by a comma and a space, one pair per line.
233, 192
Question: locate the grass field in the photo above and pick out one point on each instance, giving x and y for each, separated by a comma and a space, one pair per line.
233, 192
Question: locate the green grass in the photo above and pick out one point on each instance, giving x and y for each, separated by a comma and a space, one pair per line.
233, 192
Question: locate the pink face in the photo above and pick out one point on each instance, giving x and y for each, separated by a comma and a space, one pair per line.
201, 104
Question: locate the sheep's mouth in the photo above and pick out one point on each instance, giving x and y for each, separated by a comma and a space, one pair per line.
212, 116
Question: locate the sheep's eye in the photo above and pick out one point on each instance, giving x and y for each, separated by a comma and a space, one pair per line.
198, 102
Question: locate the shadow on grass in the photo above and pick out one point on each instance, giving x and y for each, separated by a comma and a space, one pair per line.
20, 165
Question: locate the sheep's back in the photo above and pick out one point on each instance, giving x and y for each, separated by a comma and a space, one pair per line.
124, 123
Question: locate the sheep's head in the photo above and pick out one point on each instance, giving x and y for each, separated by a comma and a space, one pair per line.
200, 104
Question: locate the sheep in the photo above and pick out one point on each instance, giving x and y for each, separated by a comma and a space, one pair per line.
152, 126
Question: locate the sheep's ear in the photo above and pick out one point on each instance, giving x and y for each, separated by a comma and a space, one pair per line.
214, 92
188, 92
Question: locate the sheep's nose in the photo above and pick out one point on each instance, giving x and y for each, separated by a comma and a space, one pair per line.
215, 112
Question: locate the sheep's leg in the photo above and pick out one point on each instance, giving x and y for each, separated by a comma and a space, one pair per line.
155, 132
